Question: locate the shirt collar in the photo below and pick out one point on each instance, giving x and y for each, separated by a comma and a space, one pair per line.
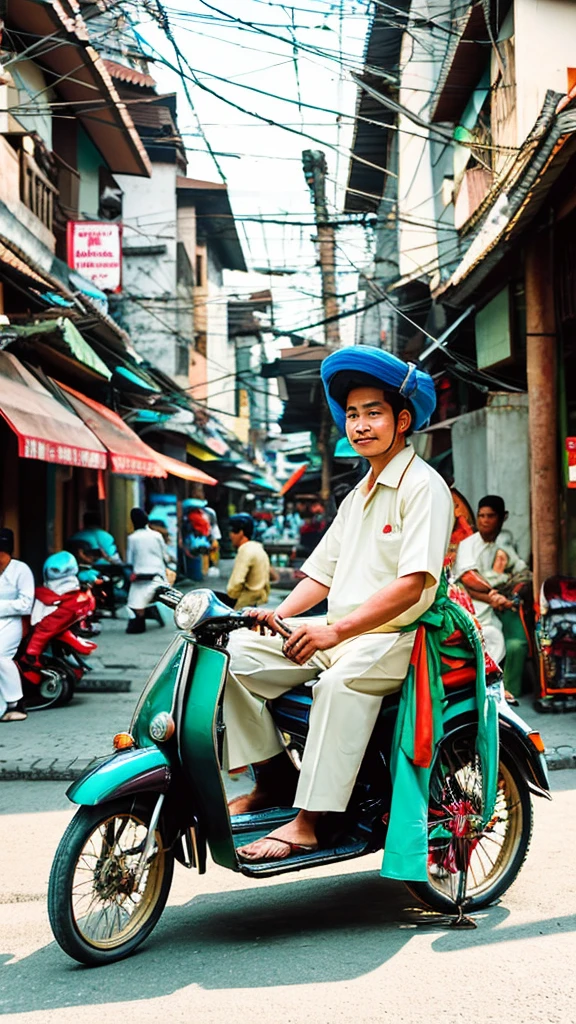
392, 474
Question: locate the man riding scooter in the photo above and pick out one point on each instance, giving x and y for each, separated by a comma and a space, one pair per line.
379, 565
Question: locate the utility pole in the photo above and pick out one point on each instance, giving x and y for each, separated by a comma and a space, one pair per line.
315, 170
542, 407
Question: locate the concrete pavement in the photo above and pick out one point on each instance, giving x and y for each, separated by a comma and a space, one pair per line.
60, 743
334, 945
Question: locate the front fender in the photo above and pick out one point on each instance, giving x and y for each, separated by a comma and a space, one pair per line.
129, 771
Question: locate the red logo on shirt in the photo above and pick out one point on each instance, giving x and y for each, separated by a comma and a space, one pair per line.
387, 528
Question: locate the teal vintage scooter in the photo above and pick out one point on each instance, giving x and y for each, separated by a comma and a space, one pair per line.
160, 797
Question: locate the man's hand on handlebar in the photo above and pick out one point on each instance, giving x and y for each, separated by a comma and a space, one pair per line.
265, 619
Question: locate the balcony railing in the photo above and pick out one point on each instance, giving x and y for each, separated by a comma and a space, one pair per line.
36, 190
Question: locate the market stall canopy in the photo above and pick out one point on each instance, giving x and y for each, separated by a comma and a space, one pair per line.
176, 468
128, 454
63, 335
203, 441
46, 429
262, 484
198, 452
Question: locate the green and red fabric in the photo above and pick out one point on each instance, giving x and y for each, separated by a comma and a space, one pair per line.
447, 640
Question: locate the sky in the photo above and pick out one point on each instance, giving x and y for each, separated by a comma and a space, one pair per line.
302, 53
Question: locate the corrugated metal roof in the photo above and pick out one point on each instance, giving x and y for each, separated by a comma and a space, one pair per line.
541, 160
11, 260
129, 75
215, 219
153, 115
81, 79
371, 140
463, 65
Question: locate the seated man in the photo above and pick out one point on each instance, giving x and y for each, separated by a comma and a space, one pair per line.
379, 565
95, 537
490, 553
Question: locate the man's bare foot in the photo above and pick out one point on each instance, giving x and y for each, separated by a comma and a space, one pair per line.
298, 836
258, 800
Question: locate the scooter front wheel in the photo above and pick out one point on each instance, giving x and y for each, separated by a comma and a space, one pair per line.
103, 901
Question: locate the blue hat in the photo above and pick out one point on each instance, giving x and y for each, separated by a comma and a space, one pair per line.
384, 369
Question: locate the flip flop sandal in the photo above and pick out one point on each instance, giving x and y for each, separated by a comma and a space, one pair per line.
292, 848
13, 716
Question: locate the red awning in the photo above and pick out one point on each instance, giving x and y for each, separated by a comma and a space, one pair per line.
177, 468
46, 429
128, 454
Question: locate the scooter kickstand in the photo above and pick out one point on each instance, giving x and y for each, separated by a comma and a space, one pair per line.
462, 922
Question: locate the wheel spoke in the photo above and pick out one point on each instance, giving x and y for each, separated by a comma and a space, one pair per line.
107, 908
456, 805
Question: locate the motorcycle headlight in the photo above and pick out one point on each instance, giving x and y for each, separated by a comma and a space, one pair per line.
191, 608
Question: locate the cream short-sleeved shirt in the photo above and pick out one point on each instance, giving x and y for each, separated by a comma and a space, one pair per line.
475, 553
402, 525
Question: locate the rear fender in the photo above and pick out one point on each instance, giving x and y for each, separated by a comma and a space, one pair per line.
514, 736
514, 739
133, 771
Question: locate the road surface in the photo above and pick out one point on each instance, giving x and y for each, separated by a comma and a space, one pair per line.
331, 946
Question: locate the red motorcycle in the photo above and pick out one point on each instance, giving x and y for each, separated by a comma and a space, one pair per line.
556, 645
51, 656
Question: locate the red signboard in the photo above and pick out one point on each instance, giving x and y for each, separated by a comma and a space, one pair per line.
95, 251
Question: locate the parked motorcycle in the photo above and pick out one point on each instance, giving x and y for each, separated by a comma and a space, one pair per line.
556, 645
160, 797
51, 655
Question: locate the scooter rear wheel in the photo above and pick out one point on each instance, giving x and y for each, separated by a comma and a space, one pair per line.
100, 909
54, 689
491, 858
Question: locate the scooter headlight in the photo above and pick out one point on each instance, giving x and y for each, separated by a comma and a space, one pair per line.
191, 609
162, 727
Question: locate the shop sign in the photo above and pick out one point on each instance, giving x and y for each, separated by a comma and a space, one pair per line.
61, 454
571, 449
95, 251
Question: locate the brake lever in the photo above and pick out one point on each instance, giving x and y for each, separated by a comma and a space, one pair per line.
285, 628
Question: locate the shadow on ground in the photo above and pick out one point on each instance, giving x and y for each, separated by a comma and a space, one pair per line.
311, 931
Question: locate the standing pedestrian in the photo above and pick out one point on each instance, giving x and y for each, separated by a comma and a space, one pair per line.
148, 555
16, 600
249, 583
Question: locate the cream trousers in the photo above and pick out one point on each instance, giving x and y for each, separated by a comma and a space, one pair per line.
347, 696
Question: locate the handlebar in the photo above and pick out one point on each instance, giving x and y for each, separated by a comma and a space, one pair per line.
168, 596
171, 597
